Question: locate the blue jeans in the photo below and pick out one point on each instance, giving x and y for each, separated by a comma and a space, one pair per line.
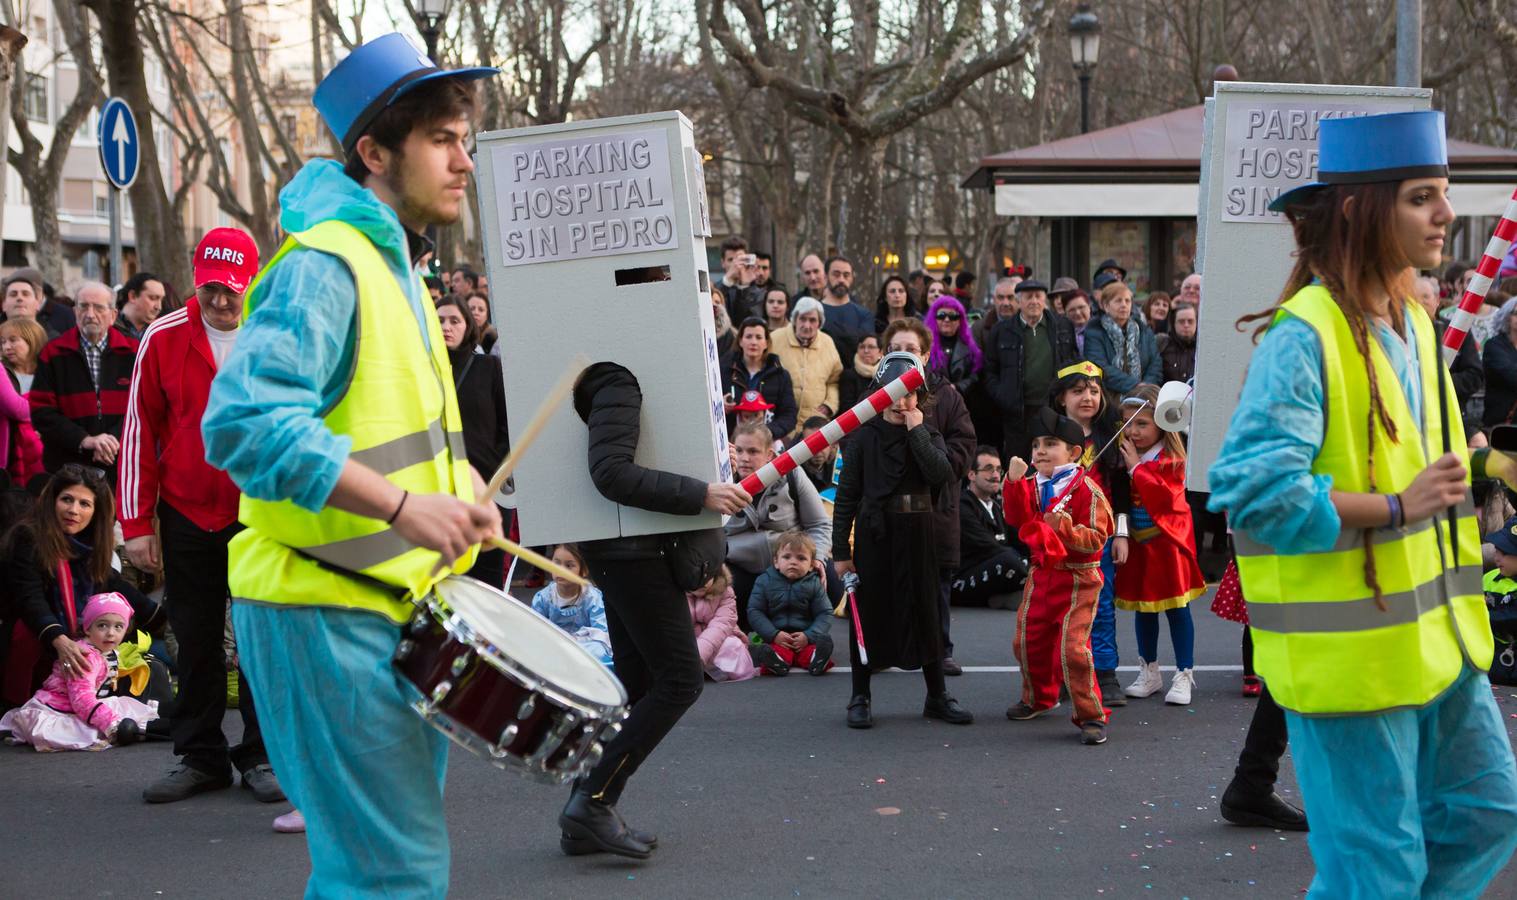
363, 768
1415, 803
1182, 633
1103, 629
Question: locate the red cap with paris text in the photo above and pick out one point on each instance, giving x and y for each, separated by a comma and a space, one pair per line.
226, 256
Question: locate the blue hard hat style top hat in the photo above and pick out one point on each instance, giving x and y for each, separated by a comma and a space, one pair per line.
1366, 149
374, 76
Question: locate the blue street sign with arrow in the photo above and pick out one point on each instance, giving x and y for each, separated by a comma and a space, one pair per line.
118, 143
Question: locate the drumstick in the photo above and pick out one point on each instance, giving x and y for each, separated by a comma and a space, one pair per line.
535, 427
537, 559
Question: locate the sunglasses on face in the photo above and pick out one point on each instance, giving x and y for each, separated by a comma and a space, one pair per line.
948, 317
83, 473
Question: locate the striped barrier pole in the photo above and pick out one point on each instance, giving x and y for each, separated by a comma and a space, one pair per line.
832, 432
1480, 285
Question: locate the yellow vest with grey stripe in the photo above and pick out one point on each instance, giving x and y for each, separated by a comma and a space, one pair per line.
1321, 642
399, 409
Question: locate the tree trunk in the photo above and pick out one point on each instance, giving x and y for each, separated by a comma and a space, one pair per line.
161, 246
861, 226
11, 42
244, 65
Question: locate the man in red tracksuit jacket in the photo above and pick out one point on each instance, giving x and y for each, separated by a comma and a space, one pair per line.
163, 470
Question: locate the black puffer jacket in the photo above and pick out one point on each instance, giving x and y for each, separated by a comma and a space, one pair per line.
610, 402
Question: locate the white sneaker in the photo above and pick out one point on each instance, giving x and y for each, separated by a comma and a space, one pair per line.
1149, 681
1179, 688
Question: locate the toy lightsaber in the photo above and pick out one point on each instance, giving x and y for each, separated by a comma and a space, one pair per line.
851, 599
832, 432
1480, 285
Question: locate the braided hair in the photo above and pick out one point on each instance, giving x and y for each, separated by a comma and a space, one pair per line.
1342, 240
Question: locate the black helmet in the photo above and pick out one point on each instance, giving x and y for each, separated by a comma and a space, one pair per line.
894, 365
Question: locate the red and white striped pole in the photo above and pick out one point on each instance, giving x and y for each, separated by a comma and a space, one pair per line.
832, 432
1480, 285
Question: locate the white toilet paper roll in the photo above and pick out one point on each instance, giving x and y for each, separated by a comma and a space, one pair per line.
1172, 411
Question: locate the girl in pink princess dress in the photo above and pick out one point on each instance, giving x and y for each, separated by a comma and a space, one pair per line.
78, 710
724, 650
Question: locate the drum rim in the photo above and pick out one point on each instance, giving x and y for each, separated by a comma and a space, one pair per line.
461, 630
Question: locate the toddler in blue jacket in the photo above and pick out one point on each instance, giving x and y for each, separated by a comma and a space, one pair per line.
789, 611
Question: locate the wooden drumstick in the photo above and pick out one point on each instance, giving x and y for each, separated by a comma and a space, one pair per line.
535, 427
537, 559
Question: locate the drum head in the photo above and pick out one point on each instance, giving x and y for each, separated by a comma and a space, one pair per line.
531, 642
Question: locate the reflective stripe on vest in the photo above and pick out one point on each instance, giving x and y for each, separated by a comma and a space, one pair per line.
399, 410
1321, 641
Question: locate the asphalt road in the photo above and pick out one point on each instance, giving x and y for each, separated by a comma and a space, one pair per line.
760, 792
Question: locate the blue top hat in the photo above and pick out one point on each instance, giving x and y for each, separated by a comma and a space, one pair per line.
372, 77
1364, 149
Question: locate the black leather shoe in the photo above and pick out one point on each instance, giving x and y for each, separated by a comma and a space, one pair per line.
858, 712
127, 732
1111, 691
951, 666
183, 783
1243, 807
943, 706
261, 781
587, 822
584, 846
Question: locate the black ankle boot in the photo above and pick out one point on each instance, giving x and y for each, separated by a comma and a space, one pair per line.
589, 823
1249, 808
858, 712
1111, 690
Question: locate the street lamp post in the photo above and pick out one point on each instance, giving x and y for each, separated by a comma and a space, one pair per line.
1084, 49
430, 15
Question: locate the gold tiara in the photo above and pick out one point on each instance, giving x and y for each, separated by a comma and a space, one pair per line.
1083, 367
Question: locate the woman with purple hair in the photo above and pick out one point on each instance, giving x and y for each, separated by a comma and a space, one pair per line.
954, 353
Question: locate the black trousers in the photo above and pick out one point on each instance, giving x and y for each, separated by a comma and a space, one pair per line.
655, 655
490, 565
1259, 763
195, 595
1001, 574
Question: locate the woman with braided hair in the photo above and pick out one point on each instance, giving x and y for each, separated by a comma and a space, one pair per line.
1345, 476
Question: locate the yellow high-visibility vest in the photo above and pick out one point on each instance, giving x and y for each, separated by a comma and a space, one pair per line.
400, 410
1321, 643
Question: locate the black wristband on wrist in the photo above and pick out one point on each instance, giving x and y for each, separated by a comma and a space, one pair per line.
400, 506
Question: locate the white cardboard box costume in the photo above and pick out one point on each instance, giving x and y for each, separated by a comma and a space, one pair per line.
1261, 140
593, 239
594, 235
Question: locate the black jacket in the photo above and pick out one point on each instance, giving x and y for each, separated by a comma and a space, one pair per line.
1178, 357
610, 402
982, 535
36, 600
482, 406
1500, 359
1006, 361
1466, 372
949, 417
774, 385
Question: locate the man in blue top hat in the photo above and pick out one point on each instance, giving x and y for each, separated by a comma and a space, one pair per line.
1356, 545
343, 475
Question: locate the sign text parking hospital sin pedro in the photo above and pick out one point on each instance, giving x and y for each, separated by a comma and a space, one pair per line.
598, 195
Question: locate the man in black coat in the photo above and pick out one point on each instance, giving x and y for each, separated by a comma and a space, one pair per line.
991, 564
1025, 354
652, 641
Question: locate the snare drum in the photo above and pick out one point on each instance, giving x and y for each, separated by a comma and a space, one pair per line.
507, 684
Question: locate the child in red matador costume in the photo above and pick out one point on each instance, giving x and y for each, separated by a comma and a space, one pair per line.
1065, 520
